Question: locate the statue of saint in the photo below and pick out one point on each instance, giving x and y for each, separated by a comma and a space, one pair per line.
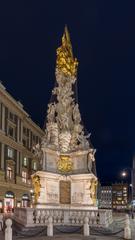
91, 159
36, 185
76, 114
51, 112
93, 190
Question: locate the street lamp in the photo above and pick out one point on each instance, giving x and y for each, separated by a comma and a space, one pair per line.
124, 174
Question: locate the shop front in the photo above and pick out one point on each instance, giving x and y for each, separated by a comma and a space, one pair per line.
25, 200
1, 206
9, 202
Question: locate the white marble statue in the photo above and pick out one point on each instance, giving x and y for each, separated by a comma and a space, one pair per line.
51, 112
91, 159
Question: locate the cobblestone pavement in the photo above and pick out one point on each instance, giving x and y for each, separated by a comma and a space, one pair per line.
68, 237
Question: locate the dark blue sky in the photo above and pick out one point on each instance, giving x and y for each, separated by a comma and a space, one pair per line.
103, 39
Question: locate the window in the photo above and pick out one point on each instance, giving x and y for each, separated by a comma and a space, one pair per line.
9, 172
34, 139
24, 176
119, 198
34, 165
24, 143
11, 131
18, 204
11, 116
25, 161
10, 153
24, 131
28, 132
37, 139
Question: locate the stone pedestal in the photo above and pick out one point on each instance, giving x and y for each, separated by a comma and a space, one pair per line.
72, 191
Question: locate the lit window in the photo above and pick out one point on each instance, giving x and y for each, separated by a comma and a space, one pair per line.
18, 204
34, 165
9, 172
24, 176
25, 161
119, 198
10, 153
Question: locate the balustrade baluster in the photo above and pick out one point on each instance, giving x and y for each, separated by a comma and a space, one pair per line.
38, 216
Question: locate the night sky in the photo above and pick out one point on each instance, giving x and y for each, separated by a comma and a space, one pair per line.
103, 39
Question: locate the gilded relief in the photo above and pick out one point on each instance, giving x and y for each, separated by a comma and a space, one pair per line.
64, 164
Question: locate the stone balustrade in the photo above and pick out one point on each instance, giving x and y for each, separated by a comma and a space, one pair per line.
39, 217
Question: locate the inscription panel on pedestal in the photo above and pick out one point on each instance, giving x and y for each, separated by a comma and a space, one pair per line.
52, 189
77, 192
65, 192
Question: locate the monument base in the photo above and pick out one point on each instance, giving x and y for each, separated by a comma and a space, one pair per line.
76, 191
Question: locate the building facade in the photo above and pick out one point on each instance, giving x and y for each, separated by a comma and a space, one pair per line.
120, 196
18, 134
105, 197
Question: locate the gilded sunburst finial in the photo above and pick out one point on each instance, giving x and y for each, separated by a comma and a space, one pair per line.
65, 61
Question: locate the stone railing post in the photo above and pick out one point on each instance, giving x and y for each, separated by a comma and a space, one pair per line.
1, 222
66, 217
86, 229
8, 230
110, 217
29, 216
50, 227
127, 229
102, 219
